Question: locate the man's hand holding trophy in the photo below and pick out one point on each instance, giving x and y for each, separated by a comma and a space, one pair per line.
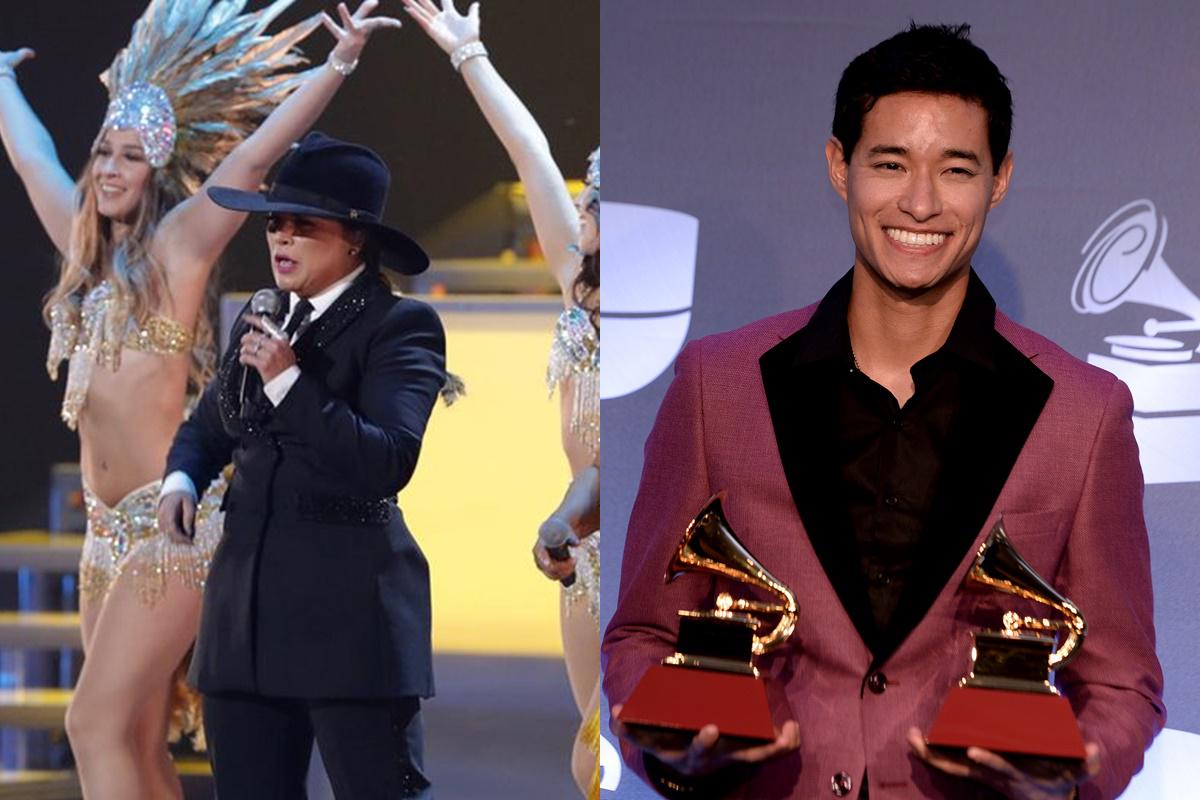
706, 705
1005, 723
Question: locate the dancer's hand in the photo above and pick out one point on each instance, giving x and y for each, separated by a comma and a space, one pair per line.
448, 28
177, 516
551, 567
356, 29
1022, 779
577, 516
263, 350
13, 58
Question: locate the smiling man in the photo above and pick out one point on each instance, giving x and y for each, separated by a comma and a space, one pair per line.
867, 444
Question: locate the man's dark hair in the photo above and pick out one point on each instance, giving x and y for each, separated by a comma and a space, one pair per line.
936, 59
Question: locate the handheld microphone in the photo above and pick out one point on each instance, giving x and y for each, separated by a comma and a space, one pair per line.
555, 535
268, 304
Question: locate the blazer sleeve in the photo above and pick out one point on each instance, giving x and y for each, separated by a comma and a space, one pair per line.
674, 487
202, 447
1115, 684
376, 444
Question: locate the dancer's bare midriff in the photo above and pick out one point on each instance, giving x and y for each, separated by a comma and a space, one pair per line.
128, 421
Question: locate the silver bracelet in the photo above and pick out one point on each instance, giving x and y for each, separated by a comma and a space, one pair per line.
343, 68
465, 52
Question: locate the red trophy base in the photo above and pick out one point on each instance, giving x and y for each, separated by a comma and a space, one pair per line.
685, 699
1008, 721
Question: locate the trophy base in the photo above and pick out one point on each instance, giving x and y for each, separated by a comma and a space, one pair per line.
674, 702
1005, 721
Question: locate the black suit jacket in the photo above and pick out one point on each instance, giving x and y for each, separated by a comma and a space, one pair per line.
318, 588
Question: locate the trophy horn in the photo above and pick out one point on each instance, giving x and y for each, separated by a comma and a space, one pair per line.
709, 545
999, 566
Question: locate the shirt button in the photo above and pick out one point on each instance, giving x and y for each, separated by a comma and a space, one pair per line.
841, 784
890, 500
877, 682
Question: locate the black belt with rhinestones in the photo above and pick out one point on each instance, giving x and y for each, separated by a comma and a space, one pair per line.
343, 509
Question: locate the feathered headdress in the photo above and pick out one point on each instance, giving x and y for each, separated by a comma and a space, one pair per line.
197, 77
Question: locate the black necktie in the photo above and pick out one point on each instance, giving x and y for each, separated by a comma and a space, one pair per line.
299, 319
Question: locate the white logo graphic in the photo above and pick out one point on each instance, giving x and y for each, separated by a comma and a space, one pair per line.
1123, 263
1171, 771
610, 766
646, 307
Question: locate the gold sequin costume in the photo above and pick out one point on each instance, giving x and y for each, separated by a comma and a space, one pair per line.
590, 736
584, 593
575, 356
125, 540
95, 333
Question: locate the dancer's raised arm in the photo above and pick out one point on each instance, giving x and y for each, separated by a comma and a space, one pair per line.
33, 155
194, 234
555, 218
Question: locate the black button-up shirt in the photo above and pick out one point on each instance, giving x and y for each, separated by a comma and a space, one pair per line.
890, 456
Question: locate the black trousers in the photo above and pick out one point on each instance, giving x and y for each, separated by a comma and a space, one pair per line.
260, 746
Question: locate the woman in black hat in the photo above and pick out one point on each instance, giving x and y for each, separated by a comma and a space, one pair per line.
569, 235
316, 617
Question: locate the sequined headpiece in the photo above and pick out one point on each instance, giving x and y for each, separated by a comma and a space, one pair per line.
146, 109
197, 77
591, 189
593, 173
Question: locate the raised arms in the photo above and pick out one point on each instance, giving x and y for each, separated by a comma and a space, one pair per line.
33, 155
193, 235
555, 218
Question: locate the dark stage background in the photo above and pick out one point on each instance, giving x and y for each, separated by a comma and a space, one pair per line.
405, 101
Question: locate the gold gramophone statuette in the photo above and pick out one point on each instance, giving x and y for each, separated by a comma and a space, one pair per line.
711, 677
1008, 703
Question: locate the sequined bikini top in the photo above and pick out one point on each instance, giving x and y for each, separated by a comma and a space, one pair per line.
575, 352
95, 332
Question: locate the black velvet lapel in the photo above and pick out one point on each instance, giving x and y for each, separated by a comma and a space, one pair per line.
999, 409
1001, 404
800, 379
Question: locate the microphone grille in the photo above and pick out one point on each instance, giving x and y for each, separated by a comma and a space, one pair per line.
265, 302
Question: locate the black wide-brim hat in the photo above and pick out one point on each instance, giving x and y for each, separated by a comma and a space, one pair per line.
326, 177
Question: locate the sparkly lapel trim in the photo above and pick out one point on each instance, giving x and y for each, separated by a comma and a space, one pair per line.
343, 311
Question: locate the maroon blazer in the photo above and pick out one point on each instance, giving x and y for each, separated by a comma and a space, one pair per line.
746, 414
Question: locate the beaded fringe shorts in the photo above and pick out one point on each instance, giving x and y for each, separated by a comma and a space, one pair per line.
125, 540
584, 594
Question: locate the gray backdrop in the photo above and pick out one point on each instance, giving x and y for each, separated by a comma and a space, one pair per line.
721, 111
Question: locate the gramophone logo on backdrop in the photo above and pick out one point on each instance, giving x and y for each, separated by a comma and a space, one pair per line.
1123, 263
649, 273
